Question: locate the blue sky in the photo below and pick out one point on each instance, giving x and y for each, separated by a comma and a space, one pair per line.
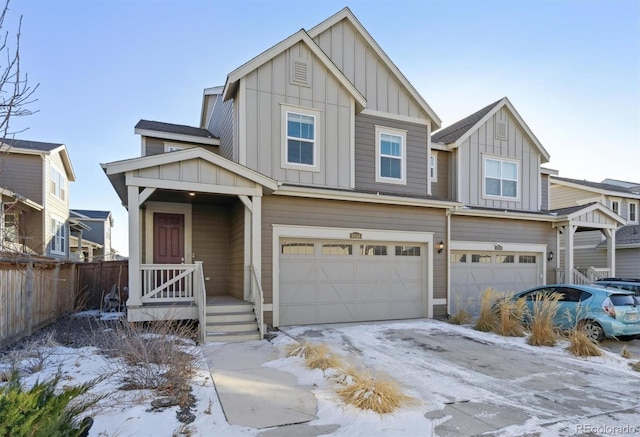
571, 69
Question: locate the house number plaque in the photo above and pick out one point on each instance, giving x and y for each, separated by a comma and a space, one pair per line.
355, 236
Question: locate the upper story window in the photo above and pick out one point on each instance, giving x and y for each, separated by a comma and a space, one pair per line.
300, 138
391, 162
615, 206
58, 237
433, 167
500, 178
173, 147
57, 183
633, 212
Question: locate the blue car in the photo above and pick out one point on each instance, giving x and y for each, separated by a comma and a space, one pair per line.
598, 311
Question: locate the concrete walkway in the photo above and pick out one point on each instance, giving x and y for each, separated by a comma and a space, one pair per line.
256, 396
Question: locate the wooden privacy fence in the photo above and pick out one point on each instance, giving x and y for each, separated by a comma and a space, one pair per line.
34, 293
95, 279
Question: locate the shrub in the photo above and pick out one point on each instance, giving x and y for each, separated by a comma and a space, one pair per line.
581, 346
488, 318
461, 315
511, 313
545, 308
321, 357
625, 353
380, 394
43, 410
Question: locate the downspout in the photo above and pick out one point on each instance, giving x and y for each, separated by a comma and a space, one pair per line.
447, 261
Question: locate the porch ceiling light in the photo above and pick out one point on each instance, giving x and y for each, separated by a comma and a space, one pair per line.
550, 256
192, 194
440, 246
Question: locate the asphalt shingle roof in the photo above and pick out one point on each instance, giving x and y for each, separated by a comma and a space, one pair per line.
629, 234
451, 133
569, 209
91, 213
174, 128
30, 145
599, 185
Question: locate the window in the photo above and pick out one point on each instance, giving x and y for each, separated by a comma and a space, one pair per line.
615, 206
633, 212
301, 141
10, 228
337, 249
57, 183
373, 250
407, 250
58, 237
527, 259
172, 147
500, 178
505, 259
433, 167
458, 257
297, 248
481, 259
390, 155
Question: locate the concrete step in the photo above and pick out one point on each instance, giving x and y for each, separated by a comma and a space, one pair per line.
240, 307
246, 316
232, 337
230, 327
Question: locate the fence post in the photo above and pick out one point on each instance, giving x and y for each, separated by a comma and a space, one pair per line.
28, 308
56, 290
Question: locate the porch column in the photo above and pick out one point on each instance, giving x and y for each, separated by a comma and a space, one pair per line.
568, 232
611, 250
134, 247
256, 236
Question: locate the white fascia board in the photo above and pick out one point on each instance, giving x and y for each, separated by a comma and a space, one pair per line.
505, 215
578, 186
549, 171
405, 118
346, 13
354, 196
20, 198
66, 162
178, 137
490, 246
603, 209
214, 90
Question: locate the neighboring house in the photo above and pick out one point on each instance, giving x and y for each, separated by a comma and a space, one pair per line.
315, 190
622, 198
37, 219
96, 241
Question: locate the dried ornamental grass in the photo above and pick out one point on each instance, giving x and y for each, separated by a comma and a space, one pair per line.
461, 315
321, 357
625, 353
300, 349
512, 313
488, 318
545, 308
581, 346
635, 366
379, 394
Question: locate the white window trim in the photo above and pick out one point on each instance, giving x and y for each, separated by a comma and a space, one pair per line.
619, 202
484, 178
433, 157
172, 147
379, 130
61, 184
284, 111
635, 205
54, 236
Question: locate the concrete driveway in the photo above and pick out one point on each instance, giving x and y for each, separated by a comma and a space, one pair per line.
474, 383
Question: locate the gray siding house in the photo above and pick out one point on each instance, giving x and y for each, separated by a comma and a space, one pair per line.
34, 182
94, 241
315, 190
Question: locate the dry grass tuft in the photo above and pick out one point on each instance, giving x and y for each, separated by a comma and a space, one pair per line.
635, 366
545, 308
321, 357
512, 314
461, 316
380, 394
625, 353
581, 346
300, 349
488, 318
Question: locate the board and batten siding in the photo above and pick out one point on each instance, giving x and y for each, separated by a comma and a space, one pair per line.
628, 263
544, 195
483, 143
267, 89
416, 156
366, 71
441, 188
562, 196
55, 207
331, 213
221, 125
236, 251
22, 174
210, 244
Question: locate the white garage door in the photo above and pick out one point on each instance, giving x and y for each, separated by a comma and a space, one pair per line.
473, 272
345, 281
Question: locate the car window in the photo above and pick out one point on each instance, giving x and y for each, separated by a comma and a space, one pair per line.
572, 294
622, 299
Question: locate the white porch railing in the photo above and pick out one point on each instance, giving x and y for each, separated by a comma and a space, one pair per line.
594, 273
169, 282
579, 278
201, 300
257, 297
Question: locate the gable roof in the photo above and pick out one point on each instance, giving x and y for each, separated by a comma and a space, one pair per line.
90, 214
301, 36
13, 145
172, 131
626, 236
598, 187
458, 132
20, 198
625, 184
346, 14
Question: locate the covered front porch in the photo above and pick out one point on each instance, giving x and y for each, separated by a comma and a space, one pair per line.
194, 240
582, 219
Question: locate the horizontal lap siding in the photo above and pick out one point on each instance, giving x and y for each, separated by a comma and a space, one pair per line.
561, 196
416, 155
628, 263
236, 255
22, 174
211, 245
330, 213
440, 189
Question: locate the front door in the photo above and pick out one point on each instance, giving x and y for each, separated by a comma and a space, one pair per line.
168, 238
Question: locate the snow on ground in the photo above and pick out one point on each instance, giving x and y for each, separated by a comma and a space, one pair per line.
434, 382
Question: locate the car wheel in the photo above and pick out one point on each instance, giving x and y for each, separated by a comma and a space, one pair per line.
592, 330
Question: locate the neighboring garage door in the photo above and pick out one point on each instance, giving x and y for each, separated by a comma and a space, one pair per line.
473, 272
344, 281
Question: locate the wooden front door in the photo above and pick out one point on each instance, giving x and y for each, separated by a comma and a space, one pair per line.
168, 238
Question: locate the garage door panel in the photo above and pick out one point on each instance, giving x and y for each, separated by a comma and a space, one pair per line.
334, 313
298, 270
406, 271
299, 314
401, 310
373, 311
297, 292
406, 290
372, 291
372, 270
335, 270
336, 292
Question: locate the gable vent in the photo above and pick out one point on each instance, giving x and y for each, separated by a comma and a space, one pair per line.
501, 130
300, 72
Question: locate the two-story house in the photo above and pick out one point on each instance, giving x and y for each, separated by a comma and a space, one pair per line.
34, 181
95, 241
622, 198
316, 190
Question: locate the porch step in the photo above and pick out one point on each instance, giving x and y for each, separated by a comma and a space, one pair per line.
217, 317
231, 327
232, 336
239, 307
